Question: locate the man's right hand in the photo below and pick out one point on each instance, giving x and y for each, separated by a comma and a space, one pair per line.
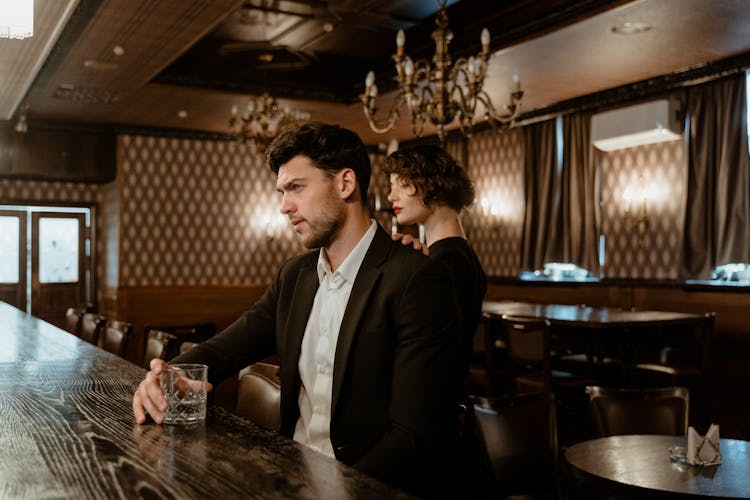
148, 398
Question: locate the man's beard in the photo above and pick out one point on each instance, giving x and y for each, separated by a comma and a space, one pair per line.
327, 227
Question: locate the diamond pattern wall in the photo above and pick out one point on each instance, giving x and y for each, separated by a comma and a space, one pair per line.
196, 212
494, 224
652, 250
190, 212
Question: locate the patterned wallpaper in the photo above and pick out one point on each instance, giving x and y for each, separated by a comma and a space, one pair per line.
191, 212
196, 212
494, 224
659, 172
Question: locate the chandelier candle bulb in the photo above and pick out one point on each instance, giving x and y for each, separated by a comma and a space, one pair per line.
485, 38
400, 41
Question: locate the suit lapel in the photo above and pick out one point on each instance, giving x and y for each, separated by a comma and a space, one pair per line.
364, 285
299, 312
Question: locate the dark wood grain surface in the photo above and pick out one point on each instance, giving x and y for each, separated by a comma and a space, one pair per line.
67, 431
643, 462
590, 317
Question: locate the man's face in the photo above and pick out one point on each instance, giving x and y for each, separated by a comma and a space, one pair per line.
310, 200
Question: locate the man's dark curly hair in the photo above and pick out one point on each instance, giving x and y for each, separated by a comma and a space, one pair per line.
329, 147
436, 176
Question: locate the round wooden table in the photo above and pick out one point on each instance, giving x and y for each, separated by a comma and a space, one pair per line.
642, 462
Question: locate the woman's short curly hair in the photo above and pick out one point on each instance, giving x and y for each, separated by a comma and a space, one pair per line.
436, 176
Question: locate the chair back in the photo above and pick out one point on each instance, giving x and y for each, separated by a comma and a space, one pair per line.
528, 348
259, 395
91, 327
157, 343
186, 346
116, 336
519, 436
73, 317
616, 412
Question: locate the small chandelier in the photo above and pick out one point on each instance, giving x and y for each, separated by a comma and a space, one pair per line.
261, 121
442, 91
17, 18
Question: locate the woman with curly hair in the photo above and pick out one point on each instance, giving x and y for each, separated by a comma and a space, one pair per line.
427, 186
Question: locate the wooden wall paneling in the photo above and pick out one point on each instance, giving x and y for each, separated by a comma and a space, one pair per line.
180, 306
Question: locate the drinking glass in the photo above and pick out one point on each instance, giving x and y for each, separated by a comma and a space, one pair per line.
184, 388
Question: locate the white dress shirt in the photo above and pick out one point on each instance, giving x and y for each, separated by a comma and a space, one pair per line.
319, 345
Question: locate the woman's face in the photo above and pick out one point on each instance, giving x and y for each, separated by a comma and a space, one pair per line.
407, 204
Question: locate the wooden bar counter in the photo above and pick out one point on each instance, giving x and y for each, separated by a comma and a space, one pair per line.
67, 431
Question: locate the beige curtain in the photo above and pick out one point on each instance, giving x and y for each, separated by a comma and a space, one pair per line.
562, 196
542, 219
581, 194
717, 208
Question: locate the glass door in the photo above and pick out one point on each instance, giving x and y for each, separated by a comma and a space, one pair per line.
13, 257
58, 264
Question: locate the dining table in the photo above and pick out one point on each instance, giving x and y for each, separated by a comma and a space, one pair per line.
582, 315
67, 431
642, 466
625, 334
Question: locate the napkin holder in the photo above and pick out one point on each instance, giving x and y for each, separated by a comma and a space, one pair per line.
703, 450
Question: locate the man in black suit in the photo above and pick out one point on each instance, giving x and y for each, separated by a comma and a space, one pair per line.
366, 329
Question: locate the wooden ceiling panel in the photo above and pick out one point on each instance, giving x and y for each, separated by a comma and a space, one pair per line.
202, 57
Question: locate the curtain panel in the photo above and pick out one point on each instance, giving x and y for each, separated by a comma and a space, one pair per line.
581, 194
562, 218
542, 196
717, 207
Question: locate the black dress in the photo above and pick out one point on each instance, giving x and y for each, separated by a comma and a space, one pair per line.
470, 283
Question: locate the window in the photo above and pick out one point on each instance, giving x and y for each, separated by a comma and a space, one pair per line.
9, 233
559, 271
735, 273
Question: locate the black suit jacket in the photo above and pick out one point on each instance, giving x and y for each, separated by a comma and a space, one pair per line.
396, 362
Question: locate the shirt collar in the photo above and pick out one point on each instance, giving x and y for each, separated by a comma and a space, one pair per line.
350, 267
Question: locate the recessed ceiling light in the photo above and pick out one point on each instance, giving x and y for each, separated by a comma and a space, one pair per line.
99, 65
327, 27
630, 28
118, 50
182, 114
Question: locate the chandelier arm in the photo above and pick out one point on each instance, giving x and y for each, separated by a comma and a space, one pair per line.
422, 68
466, 108
492, 115
389, 122
418, 109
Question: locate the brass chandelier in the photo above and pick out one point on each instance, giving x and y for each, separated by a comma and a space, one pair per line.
442, 91
261, 121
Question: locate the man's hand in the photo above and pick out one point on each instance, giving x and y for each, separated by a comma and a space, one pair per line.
148, 398
407, 239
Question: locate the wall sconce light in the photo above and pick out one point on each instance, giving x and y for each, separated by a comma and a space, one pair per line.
269, 224
636, 203
22, 125
497, 204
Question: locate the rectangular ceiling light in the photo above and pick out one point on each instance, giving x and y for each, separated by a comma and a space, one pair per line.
647, 123
16, 18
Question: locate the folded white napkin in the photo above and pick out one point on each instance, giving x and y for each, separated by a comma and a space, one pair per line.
703, 450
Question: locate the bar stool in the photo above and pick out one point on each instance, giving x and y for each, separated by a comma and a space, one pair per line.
259, 395
92, 325
157, 344
116, 336
73, 317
